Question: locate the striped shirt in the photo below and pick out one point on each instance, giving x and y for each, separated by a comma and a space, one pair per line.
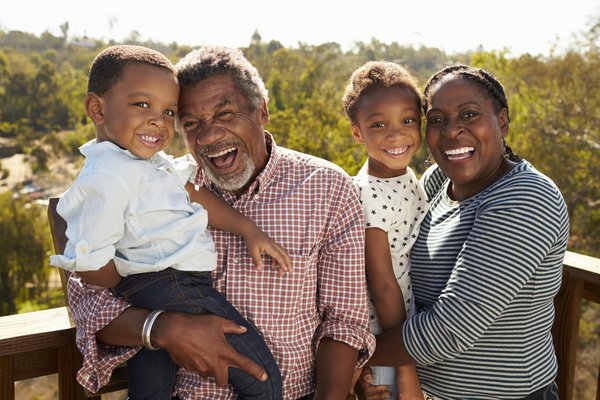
310, 207
485, 272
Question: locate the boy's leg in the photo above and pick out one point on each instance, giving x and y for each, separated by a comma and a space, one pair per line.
252, 345
192, 292
151, 375
195, 294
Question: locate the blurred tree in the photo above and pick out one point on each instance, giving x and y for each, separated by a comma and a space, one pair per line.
24, 246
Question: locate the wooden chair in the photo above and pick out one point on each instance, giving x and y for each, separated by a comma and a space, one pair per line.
58, 228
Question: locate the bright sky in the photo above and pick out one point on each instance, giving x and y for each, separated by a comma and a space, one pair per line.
522, 26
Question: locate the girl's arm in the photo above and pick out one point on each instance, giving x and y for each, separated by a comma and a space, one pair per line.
388, 301
224, 217
385, 291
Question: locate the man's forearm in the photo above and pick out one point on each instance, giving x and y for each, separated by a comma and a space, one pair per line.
126, 329
336, 362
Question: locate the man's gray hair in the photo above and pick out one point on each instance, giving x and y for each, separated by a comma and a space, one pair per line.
208, 61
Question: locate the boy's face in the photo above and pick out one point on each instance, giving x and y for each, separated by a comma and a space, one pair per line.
388, 123
138, 114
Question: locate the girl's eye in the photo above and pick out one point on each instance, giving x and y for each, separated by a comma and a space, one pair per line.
409, 121
377, 124
142, 104
170, 113
470, 114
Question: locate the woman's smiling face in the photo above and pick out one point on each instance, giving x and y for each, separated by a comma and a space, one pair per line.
465, 132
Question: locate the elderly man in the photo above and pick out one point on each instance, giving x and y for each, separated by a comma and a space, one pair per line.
314, 319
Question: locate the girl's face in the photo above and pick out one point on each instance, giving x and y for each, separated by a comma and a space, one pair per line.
464, 133
388, 123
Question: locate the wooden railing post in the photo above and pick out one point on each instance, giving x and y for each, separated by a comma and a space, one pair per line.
69, 360
565, 333
7, 377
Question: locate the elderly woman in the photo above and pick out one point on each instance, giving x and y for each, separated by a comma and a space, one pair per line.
488, 260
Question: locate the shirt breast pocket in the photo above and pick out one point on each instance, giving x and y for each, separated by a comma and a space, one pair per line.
292, 294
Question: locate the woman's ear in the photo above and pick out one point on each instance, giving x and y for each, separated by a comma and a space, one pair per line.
503, 120
356, 133
94, 108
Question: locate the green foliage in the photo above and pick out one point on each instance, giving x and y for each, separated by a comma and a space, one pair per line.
24, 249
554, 103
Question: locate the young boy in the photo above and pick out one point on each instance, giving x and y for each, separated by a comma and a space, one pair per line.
133, 227
383, 103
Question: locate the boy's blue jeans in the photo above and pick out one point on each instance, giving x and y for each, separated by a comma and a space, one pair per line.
151, 373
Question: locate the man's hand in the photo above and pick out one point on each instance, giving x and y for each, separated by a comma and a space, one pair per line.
197, 343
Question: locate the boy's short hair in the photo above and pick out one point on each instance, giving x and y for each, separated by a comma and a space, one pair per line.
108, 66
375, 75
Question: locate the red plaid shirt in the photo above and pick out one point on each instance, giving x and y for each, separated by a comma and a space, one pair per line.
311, 208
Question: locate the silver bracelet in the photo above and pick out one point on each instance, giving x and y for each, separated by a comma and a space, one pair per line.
148, 328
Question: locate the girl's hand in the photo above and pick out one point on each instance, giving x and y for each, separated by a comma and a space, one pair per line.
366, 391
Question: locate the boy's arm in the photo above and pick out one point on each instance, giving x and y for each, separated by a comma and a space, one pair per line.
383, 287
220, 214
224, 217
105, 277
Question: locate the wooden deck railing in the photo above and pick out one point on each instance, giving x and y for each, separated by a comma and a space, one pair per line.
43, 342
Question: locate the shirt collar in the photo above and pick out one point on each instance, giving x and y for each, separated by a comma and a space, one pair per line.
93, 146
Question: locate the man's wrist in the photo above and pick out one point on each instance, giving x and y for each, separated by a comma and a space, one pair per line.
147, 329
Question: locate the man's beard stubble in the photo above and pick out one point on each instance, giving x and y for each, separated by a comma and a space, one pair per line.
232, 181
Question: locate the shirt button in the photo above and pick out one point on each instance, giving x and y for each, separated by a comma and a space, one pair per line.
235, 260
83, 249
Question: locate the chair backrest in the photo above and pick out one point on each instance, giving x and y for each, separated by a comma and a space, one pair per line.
58, 229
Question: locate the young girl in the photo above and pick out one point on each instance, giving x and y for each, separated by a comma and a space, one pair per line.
383, 103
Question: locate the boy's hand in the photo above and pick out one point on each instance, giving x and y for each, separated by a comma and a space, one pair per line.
260, 243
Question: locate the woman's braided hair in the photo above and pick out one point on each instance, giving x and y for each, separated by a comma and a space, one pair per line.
485, 80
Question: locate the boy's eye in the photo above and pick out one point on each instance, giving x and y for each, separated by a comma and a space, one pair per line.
377, 124
434, 120
470, 114
142, 104
170, 113
409, 120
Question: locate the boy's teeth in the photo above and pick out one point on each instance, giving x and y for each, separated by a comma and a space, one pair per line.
149, 138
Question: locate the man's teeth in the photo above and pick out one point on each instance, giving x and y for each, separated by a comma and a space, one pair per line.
221, 153
150, 138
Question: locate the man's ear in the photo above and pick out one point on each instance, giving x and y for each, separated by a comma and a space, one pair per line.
264, 113
94, 108
356, 134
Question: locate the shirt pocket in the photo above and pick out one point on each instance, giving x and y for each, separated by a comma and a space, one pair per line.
290, 295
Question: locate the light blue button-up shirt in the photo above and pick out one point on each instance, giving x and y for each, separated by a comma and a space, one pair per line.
134, 211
